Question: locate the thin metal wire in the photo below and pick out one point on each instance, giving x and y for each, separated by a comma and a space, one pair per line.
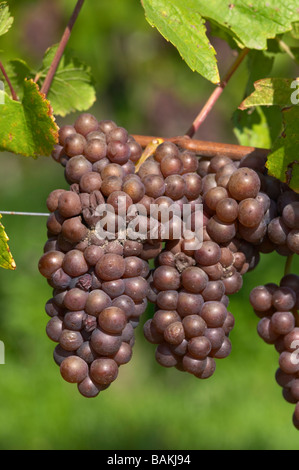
34, 214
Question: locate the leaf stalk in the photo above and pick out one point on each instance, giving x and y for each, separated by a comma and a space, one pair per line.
60, 50
207, 108
12, 91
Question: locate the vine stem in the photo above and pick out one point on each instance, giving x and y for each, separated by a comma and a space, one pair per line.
288, 265
13, 93
62, 45
216, 94
207, 149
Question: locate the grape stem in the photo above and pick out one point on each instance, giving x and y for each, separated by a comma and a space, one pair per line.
288, 265
62, 45
216, 94
12, 91
207, 149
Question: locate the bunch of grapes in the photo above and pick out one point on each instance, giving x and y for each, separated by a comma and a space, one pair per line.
243, 198
277, 307
191, 323
101, 285
190, 286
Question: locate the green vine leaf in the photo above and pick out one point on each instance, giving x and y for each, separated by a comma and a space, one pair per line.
181, 24
251, 128
6, 20
282, 93
27, 128
283, 161
259, 65
295, 52
6, 259
253, 22
259, 126
250, 24
295, 30
225, 34
17, 70
72, 88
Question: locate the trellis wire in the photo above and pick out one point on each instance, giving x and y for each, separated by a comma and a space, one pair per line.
34, 214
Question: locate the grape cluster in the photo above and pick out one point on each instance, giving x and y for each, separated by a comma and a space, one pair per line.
190, 287
265, 210
277, 307
191, 323
99, 285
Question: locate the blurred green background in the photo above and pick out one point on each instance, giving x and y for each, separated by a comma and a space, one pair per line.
143, 85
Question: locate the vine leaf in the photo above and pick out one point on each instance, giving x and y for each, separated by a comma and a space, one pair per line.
249, 24
6, 259
27, 128
6, 20
295, 30
282, 161
253, 22
295, 52
182, 25
72, 88
272, 91
17, 70
251, 128
259, 126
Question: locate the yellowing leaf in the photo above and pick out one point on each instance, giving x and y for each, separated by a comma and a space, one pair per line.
27, 128
272, 92
6, 259
5, 19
